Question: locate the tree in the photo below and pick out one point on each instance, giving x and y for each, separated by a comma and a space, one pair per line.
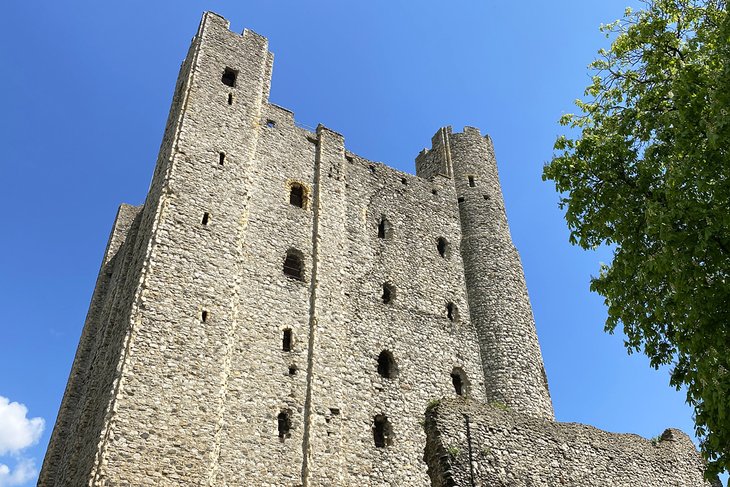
645, 169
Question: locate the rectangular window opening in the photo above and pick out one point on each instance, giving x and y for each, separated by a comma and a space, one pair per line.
221, 158
206, 218
204, 316
286, 340
471, 182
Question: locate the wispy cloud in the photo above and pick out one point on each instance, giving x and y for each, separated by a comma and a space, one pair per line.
17, 432
23, 472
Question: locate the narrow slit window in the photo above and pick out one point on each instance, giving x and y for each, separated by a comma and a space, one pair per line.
452, 313
204, 316
387, 367
205, 219
471, 182
284, 424
230, 98
442, 245
229, 77
388, 292
382, 431
221, 158
458, 380
384, 228
293, 265
296, 195
286, 340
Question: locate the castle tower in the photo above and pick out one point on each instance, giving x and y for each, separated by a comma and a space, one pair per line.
281, 311
499, 306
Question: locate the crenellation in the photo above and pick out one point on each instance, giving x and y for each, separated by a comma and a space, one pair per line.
282, 311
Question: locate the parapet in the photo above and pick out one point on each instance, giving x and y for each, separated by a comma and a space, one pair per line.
469, 443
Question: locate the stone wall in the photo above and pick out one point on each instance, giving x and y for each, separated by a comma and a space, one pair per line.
474, 444
185, 378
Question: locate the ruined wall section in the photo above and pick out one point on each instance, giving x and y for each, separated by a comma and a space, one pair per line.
473, 444
498, 301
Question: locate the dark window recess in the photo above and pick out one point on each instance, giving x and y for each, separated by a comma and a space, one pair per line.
270, 124
403, 180
382, 431
434, 192
372, 169
334, 411
229, 77
204, 316
205, 219
452, 312
284, 423
383, 228
292, 369
460, 200
286, 340
296, 195
471, 182
230, 98
486, 197
442, 245
293, 266
386, 365
458, 381
388, 292
221, 158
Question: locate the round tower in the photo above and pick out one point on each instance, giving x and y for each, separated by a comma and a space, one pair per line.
498, 302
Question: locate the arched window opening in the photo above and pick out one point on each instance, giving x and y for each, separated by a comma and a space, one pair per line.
442, 245
387, 367
384, 228
284, 423
382, 431
229, 77
293, 265
296, 195
452, 312
459, 381
286, 340
388, 292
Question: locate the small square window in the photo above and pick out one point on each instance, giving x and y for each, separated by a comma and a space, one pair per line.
229, 77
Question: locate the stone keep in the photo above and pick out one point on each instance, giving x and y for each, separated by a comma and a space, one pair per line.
282, 312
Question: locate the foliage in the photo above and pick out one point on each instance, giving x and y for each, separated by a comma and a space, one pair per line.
649, 175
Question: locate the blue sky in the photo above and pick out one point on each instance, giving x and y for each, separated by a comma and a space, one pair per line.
85, 90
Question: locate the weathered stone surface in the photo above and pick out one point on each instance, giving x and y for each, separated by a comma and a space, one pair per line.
183, 375
474, 444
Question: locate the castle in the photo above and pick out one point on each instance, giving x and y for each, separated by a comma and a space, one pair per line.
283, 312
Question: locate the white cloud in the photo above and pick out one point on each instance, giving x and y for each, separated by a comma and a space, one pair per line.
23, 472
16, 430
